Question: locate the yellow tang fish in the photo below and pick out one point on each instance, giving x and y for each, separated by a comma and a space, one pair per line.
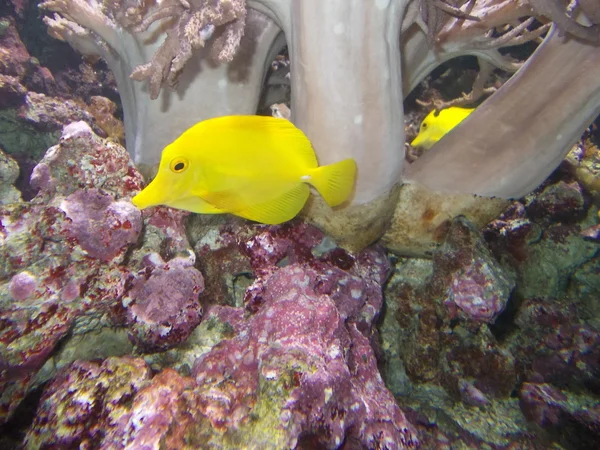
255, 167
433, 127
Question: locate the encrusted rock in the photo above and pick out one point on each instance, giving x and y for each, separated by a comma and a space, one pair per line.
9, 171
162, 304
563, 202
62, 263
48, 113
102, 226
84, 160
478, 287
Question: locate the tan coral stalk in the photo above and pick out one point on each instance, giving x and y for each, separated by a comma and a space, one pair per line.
204, 89
512, 142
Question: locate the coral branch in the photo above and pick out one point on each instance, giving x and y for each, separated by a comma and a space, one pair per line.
164, 12
516, 36
88, 15
195, 23
591, 9
485, 71
554, 10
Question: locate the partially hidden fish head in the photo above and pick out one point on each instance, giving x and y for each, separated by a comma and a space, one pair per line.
428, 134
437, 124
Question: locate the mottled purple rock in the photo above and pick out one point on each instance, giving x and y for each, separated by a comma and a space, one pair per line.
563, 202
478, 286
62, 267
293, 241
83, 404
117, 404
478, 292
167, 227
513, 232
297, 372
162, 305
22, 286
102, 226
44, 286
162, 415
569, 354
330, 388
541, 317
443, 344
84, 160
542, 403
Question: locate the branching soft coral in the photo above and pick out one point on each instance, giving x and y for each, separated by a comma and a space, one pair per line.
196, 22
148, 39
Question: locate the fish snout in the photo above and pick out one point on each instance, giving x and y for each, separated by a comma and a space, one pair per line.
416, 142
151, 195
423, 141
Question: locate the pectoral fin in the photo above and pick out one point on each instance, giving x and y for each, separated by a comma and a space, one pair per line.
195, 204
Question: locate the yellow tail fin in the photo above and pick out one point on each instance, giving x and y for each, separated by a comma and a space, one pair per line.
335, 181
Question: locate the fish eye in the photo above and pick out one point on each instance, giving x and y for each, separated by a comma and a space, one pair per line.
178, 165
424, 125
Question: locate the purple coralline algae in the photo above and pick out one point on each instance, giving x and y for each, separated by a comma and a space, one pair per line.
162, 304
563, 372
476, 292
79, 403
297, 367
562, 201
83, 160
102, 226
535, 359
305, 340
541, 403
444, 319
298, 370
479, 287
51, 114
569, 354
63, 262
553, 409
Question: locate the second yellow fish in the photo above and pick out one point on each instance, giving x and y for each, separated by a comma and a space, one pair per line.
435, 126
256, 167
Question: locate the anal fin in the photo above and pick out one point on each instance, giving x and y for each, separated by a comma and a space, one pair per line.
279, 210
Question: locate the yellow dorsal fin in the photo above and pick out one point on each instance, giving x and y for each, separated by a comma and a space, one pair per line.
281, 209
334, 181
289, 137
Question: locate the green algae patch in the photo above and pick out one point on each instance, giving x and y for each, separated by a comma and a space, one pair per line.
19, 137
